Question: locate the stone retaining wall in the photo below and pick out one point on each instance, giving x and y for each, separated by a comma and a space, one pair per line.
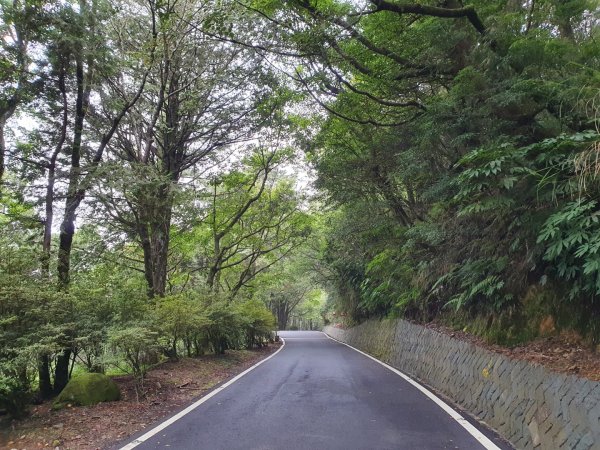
527, 404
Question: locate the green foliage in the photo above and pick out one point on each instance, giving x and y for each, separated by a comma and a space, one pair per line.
15, 394
387, 284
476, 282
487, 190
137, 245
225, 327
34, 318
571, 236
310, 312
258, 323
137, 346
181, 317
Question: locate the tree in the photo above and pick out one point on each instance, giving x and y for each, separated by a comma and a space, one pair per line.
75, 57
251, 220
87, 56
22, 22
206, 96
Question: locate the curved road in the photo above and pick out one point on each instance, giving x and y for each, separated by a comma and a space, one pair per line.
317, 394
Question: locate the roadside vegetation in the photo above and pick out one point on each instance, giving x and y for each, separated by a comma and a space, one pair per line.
458, 160
146, 197
168, 388
183, 177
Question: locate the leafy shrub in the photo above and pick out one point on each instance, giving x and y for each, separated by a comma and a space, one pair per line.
181, 318
258, 323
572, 240
36, 320
223, 331
14, 395
476, 281
138, 346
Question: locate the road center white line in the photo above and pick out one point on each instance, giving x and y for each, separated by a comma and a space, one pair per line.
194, 405
481, 438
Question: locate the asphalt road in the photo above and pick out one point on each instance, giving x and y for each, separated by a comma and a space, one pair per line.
317, 394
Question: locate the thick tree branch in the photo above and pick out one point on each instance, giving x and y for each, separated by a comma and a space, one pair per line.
467, 12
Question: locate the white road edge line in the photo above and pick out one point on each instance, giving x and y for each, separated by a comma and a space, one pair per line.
481, 438
176, 417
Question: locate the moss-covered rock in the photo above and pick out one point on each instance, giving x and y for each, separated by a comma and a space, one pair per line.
88, 389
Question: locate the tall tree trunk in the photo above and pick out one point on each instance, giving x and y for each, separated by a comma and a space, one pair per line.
74, 192
281, 312
142, 231
212, 281
154, 227
61, 371
65, 245
45, 383
2, 151
47, 239
49, 200
213, 272
282, 318
161, 205
5, 114
160, 254
73, 199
